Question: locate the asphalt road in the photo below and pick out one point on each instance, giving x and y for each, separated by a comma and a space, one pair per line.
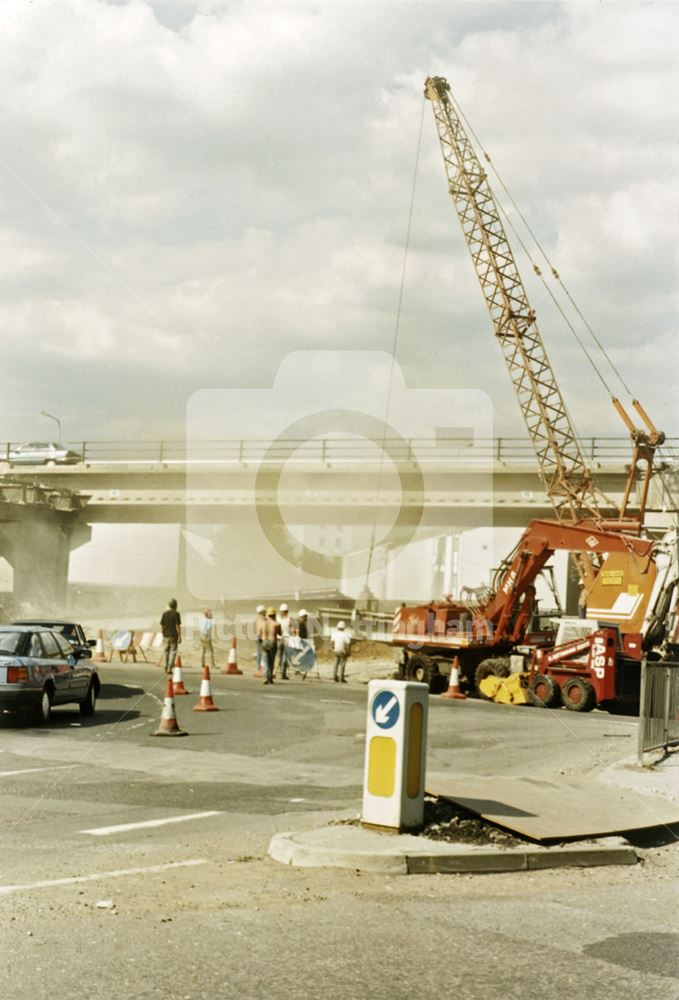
196, 908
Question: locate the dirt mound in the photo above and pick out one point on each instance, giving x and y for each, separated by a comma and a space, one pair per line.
445, 821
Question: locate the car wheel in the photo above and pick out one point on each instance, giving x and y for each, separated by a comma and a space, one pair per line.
44, 709
88, 705
50, 461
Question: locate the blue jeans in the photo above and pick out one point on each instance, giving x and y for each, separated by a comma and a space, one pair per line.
340, 665
269, 655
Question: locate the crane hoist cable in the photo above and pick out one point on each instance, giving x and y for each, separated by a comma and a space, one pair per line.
394, 346
555, 274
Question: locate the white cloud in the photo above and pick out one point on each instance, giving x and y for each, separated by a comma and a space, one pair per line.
227, 182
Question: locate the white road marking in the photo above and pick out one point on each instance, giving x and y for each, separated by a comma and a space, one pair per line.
104, 831
28, 770
6, 890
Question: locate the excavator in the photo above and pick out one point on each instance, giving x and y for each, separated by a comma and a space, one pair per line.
629, 580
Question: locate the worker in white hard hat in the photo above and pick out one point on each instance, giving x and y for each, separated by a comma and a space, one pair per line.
341, 647
260, 621
285, 626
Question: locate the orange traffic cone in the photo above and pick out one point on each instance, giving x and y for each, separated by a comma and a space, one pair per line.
454, 685
205, 702
99, 655
168, 720
177, 682
232, 666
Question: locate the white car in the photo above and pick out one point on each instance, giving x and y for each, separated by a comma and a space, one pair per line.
40, 453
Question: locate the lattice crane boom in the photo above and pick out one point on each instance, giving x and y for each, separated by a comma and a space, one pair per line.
567, 479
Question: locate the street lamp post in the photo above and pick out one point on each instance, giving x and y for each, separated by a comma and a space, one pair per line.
57, 422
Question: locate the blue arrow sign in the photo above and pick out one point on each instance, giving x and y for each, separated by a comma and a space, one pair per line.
385, 709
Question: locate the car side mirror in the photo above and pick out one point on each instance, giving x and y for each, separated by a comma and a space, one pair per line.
92, 642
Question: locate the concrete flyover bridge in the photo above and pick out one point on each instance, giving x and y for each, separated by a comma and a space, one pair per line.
455, 480
330, 491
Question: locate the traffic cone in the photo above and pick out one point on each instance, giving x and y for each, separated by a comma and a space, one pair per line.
177, 682
205, 702
454, 685
232, 666
168, 720
99, 655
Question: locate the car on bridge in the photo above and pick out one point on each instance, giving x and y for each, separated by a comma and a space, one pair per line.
39, 669
42, 453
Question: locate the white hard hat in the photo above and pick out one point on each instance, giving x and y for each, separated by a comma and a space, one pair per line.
261, 609
341, 624
283, 607
303, 613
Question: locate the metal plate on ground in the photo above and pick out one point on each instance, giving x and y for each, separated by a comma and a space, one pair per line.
554, 808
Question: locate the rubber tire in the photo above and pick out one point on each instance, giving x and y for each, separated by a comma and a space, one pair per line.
551, 697
585, 698
88, 705
439, 683
43, 710
421, 669
497, 666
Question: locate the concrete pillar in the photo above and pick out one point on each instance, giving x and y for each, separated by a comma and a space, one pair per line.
38, 546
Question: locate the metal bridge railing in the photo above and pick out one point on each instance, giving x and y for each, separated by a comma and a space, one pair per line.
659, 707
600, 451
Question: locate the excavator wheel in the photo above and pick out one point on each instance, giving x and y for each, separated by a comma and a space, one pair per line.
544, 691
497, 666
421, 668
578, 695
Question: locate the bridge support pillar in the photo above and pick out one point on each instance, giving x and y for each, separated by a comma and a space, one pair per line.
38, 545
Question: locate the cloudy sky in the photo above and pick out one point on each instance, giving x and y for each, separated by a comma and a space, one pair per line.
189, 191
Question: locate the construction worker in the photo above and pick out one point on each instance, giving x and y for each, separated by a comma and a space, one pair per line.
341, 647
171, 627
205, 635
269, 636
259, 625
285, 627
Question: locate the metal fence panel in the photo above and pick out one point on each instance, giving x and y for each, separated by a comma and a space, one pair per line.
659, 706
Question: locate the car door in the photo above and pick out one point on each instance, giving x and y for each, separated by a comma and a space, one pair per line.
60, 667
80, 674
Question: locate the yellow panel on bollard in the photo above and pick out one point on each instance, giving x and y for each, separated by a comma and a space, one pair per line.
381, 766
395, 755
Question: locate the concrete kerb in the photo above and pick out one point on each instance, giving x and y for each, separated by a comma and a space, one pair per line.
359, 849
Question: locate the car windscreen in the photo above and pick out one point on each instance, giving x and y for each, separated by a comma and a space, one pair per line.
10, 643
